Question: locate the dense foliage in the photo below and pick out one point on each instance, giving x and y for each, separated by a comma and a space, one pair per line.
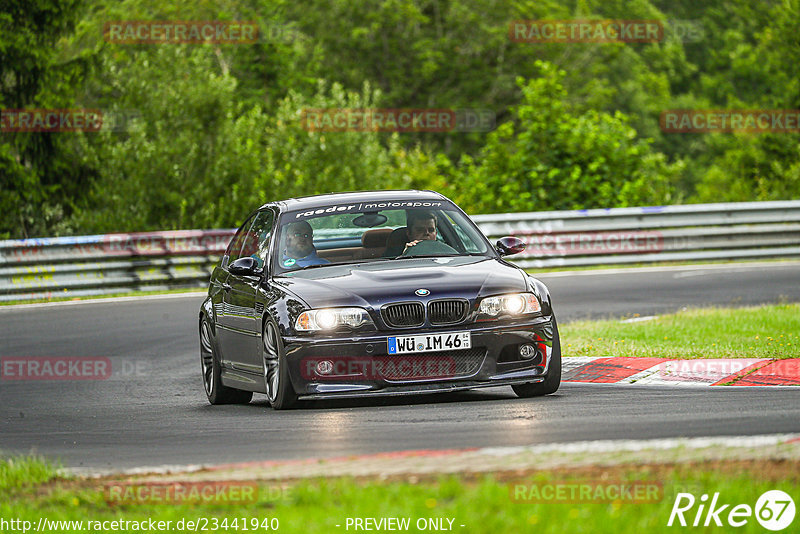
216, 129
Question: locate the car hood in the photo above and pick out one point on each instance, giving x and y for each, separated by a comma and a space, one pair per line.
374, 284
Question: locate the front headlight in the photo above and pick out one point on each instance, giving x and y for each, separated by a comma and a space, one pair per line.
514, 304
332, 318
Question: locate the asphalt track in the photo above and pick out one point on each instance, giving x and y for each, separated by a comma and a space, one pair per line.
152, 411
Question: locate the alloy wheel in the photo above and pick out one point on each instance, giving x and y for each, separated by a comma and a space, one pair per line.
272, 361
207, 358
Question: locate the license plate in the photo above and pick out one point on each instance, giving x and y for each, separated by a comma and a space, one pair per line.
429, 343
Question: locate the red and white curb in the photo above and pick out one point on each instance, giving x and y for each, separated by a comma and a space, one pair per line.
665, 371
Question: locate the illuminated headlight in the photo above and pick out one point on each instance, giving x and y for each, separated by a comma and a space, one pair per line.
332, 318
512, 304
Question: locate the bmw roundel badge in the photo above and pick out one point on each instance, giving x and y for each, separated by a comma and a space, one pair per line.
422, 292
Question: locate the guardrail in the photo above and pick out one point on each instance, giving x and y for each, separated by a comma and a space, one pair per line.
102, 264
112, 263
729, 231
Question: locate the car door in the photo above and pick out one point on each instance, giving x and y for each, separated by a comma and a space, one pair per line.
220, 291
243, 318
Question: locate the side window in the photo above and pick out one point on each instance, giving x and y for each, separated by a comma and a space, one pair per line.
466, 241
256, 239
232, 252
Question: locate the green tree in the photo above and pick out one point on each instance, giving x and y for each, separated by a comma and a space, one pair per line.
199, 157
747, 167
551, 157
39, 178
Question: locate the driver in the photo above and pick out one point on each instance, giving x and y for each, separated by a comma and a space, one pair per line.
300, 251
420, 226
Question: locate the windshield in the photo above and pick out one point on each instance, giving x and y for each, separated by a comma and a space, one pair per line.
364, 233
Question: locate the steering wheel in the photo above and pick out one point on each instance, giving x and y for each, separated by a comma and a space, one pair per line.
435, 248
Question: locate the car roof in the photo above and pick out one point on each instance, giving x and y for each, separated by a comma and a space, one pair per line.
318, 201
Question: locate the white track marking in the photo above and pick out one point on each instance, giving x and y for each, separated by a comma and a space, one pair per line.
677, 268
640, 319
644, 444
469, 460
108, 300
568, 363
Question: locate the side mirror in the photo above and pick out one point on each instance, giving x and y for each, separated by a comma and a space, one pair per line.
247, 266
506, 246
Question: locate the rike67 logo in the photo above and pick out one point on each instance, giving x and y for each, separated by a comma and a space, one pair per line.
774, 510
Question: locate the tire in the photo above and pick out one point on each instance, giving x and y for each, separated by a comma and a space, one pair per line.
553, 379
216, 392
280, 393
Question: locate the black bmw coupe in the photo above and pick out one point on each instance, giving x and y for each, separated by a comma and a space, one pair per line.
372, 293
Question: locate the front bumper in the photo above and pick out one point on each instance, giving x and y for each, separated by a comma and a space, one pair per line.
361, 366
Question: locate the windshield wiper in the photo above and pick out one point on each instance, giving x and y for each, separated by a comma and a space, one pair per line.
366, 260
338, 263
311, 267
401, 256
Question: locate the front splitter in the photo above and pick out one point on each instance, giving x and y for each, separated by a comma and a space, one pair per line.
395, 391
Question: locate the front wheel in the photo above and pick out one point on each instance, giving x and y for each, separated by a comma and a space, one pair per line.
209, 362
280, 393
553, 379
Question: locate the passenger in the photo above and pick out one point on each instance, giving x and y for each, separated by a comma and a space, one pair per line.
300, 251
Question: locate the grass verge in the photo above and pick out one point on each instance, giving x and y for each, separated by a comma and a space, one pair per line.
499, 503
771, 331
